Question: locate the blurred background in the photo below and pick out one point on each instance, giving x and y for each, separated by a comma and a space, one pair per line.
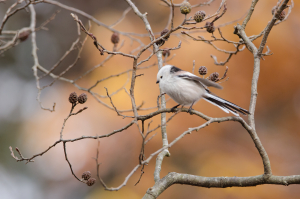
223, 149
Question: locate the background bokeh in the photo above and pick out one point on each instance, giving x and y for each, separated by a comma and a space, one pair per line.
219, 150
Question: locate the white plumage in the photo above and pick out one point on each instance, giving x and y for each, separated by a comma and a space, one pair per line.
186, 89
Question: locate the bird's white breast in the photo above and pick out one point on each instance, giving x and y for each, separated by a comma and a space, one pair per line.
182, 91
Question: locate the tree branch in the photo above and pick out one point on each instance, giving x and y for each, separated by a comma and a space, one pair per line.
217, 182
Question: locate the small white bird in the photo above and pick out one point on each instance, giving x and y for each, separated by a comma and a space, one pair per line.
186, 89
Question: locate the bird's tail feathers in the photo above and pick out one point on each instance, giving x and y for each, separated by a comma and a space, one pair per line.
225, 105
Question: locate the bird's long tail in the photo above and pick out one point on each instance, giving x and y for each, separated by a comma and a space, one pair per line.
224, 104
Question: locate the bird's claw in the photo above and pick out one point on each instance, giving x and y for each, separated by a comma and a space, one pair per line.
190, 111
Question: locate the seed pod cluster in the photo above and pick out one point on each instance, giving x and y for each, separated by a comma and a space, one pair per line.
73, 99
86, 177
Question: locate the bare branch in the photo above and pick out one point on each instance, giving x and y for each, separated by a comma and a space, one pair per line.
217, 182
96, 43
270, 26
124, 116
10, 13
35, 57
207, 3
70, 165
247, 18
70, 114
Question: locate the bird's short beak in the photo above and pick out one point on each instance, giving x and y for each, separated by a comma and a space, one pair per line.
157, 81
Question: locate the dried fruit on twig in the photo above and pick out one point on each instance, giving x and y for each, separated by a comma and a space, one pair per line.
73, 98
82, 98
282, 14
24, 35
115, 38
165, 31
210, 27
202, 70
162, 41
185, 8
199, 16
91, 181
214, 77
166, 52
86, 175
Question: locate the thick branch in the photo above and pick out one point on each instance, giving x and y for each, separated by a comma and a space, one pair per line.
217, 182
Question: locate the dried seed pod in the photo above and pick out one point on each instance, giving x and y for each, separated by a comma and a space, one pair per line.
86, 175
82, 98
282, 14
73, 98
160, 42
165, 31
115, 38
199, 16
202, 70
91, 182
214, 77
166, 52
24, 35
185, 8
210, 27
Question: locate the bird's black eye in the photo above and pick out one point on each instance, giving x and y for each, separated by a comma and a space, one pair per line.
161, 77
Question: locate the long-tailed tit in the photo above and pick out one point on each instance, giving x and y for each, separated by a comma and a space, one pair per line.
186, 89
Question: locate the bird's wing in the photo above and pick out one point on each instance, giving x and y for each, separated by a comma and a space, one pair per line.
204, 82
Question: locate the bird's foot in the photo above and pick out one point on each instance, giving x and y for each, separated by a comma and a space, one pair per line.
190, 111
